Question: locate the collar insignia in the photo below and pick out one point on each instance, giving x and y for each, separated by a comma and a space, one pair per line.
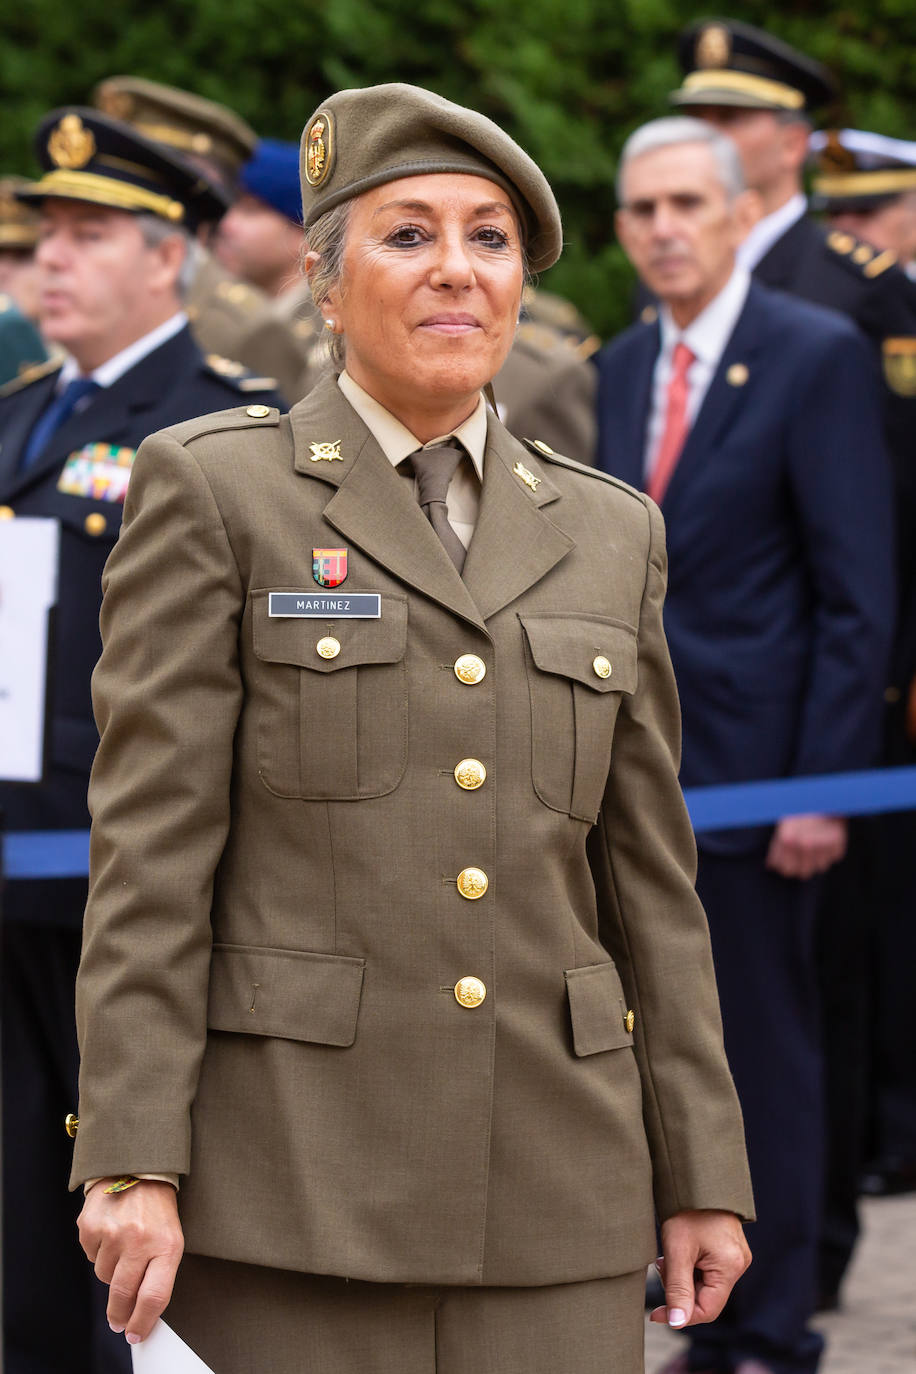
326, 452
527, 477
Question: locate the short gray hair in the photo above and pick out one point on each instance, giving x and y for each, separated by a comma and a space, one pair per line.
156, 230
674, 130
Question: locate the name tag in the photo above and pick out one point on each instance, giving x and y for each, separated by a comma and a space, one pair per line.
323, 606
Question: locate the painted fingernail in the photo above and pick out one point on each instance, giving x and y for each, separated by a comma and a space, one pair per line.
675, 1317
116, 1329
133, 1338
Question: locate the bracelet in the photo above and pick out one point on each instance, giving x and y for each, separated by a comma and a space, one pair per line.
121, 1185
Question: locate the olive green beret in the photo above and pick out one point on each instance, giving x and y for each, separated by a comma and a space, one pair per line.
359, 139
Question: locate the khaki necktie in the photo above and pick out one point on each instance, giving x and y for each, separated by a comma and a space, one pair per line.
434, 468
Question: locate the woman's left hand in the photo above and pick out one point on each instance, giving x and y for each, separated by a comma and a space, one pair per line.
703, 1256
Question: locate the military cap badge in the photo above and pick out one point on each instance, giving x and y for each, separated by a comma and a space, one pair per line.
319, 149
71, 144
714, 46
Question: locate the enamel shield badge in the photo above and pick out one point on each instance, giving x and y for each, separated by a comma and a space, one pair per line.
329, 566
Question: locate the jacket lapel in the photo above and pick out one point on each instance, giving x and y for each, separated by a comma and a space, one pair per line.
624, 402
727, 393
778, 267
373, 506
24, 409
515, 543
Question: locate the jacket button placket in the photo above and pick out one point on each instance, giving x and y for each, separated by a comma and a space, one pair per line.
471, 798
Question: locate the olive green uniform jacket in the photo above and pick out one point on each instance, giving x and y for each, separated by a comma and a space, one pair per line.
275, 926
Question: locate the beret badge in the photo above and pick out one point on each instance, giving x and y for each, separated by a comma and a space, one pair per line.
71, 144
714, 47
319, 149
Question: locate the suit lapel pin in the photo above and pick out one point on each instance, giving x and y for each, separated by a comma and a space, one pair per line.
737, 374
326, 452
527, 477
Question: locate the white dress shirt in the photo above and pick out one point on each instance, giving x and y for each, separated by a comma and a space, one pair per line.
107, 373
706, 337
396, 442
769, 229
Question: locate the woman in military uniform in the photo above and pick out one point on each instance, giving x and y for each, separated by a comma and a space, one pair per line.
393, 961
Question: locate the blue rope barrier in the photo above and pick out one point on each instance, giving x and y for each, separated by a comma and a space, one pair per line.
65, 853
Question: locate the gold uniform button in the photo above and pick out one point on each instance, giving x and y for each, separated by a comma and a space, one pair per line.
329, 647
472, 883
258, 412
6, 512
71, 1125
470, 992
602, 666
470, 774
95, 523
630, 1021
470, 669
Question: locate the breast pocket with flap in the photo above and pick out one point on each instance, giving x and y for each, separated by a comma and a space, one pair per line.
331, 728
579, 666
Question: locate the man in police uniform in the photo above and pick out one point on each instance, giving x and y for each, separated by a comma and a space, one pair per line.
229, 317
760, 92
866, 185
116, 213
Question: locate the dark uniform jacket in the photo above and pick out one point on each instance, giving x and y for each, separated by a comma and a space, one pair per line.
779, 524
281, 906
832, 268
170, 384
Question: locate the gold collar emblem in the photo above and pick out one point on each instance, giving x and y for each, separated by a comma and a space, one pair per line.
326, 452
737, 374
71, 144
714, 47
318, 149
527, 477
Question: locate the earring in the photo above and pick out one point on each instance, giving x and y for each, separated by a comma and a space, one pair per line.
329, 324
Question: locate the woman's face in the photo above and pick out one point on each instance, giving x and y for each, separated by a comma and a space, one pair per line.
430, 291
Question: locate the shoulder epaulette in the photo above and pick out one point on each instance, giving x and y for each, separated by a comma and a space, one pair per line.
546, 454
242, 417
542, 338
867, 261
237, 374
31, 374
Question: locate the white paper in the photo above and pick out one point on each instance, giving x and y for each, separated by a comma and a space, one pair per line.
165, 1353
28, 590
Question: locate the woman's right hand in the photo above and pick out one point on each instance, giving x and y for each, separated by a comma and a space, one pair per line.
134, 1240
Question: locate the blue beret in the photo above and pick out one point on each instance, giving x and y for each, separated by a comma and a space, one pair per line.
272, 174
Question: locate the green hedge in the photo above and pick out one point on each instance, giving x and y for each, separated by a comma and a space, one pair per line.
568, 78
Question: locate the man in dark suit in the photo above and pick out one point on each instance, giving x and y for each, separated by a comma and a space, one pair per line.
754, 420
111, 259
761, 92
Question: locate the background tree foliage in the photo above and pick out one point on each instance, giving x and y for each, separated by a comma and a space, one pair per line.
567, 78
